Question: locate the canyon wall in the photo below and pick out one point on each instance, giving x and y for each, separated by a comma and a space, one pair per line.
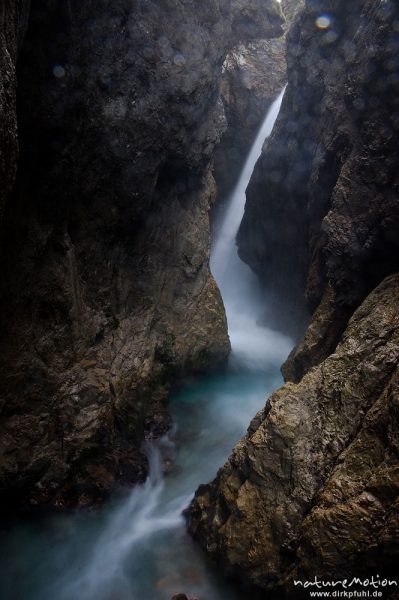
312, 490
106, 293
322, 210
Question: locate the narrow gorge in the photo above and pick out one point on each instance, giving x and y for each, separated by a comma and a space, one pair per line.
193, 196
107, 298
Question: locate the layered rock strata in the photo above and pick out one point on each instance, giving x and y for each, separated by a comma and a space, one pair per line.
106, 293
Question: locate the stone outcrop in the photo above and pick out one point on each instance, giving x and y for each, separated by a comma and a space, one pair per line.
322, 207
106, 293
312, 490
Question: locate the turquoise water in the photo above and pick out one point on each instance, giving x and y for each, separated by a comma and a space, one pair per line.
136, 547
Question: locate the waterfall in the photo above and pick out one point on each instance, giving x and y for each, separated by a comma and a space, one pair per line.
224, 246
252, 345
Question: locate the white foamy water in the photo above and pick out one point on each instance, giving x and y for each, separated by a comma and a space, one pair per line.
224, 248
137, 547
252, 345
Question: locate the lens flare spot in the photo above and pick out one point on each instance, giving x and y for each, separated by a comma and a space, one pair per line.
179, 60
323, 22
59, 71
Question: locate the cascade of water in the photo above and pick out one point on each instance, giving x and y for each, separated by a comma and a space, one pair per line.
148, 509
252, 346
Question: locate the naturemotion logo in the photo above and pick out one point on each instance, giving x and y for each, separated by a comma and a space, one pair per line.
356, 587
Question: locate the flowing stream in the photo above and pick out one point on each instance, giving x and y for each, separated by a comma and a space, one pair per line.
137, 548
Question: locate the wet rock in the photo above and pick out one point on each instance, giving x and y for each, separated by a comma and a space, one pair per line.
312, 489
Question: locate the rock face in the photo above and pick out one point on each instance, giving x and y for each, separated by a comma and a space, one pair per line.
13, 24
312, 490
291, 8
106, 294
328, 176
